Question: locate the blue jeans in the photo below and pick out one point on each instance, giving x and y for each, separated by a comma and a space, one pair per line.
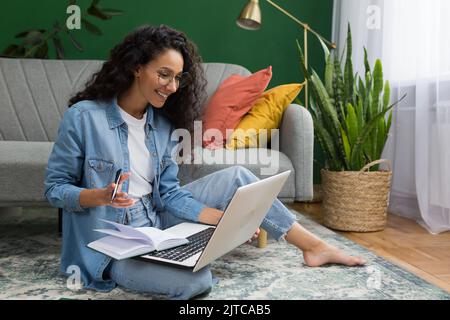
214, 190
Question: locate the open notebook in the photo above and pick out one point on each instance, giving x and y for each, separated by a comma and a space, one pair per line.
125, 241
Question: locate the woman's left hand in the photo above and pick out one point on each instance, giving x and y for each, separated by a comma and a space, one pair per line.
210, 216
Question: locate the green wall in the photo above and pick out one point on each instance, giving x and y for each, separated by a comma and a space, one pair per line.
209, 23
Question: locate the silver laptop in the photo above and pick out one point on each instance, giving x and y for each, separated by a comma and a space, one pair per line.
242, 217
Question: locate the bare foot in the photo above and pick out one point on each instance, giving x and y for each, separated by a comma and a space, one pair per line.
324, 253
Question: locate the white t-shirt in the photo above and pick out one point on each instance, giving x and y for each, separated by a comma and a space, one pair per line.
142, 174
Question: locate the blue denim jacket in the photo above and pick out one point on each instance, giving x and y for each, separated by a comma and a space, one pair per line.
90, 147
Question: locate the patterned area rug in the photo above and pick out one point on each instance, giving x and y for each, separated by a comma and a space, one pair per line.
29, 269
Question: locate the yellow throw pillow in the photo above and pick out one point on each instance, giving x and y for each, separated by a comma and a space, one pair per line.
266, 113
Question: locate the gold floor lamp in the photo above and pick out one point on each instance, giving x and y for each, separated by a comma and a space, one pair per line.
250, 19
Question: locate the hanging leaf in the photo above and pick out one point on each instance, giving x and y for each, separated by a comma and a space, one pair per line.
13, 51
93, 10
30, 52
42, 51
91, 27
75, 43
10, 50
58, 47
33, 38
25, 33
56, 27
112, 12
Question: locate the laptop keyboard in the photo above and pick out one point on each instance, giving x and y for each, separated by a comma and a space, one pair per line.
197, 242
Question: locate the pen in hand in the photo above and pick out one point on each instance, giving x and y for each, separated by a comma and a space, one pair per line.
90, 198
116, 181
119, 199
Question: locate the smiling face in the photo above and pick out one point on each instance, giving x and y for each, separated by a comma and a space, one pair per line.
151, 78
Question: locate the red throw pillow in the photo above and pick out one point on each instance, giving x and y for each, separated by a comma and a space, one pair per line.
232, 100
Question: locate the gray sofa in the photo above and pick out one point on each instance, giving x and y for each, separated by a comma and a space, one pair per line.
33, 98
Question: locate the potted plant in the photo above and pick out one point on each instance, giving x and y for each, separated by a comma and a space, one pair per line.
352, 117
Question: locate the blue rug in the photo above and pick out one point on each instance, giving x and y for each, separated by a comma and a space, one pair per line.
29, 269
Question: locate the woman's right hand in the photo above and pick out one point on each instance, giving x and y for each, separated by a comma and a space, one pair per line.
90, 198
121, 199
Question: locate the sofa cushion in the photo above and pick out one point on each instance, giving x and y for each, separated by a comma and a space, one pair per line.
35, 94
265, 115
216, 73
22, 170
232, 100
249, 159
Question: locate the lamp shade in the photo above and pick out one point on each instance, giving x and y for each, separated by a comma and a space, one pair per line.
250, 17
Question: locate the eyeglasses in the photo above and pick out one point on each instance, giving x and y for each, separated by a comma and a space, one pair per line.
181, 80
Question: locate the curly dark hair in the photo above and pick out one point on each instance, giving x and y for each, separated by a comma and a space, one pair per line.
138, 48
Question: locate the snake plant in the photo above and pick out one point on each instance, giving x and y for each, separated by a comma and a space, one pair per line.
349, 113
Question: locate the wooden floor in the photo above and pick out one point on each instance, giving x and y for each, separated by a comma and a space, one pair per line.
403, 242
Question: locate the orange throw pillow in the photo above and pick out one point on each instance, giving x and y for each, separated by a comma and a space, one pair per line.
232, 100
254, 130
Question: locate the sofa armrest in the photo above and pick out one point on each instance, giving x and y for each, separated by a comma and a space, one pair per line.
297, 142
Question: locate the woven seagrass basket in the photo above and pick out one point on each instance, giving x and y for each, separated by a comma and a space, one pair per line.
356, 200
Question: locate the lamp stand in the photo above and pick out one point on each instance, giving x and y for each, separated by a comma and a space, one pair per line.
306, 28
305, 48
250, 19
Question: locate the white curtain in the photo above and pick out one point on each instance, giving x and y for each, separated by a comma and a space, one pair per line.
412, 39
